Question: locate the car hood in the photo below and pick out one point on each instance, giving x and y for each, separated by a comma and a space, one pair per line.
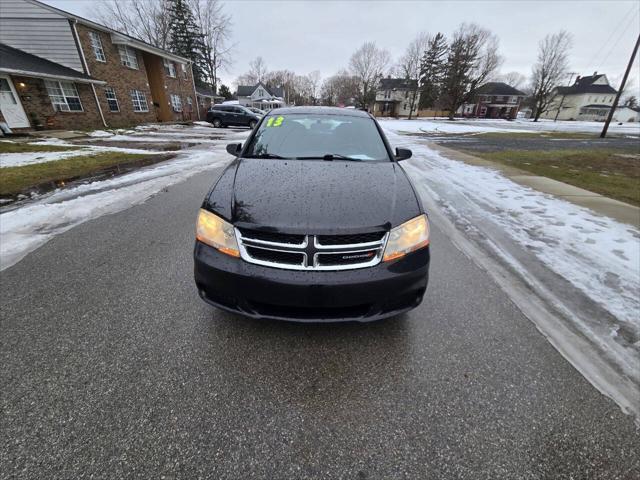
315, 197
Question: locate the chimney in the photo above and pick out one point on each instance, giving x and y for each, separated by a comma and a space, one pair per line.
595, 73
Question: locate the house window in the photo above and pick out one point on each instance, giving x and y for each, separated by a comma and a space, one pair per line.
64, 96
169, 68
190, 103
112, 101
96, 45
128, 57
183, 67
139, 101
176, 103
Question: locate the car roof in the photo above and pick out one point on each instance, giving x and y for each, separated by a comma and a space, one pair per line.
319, 111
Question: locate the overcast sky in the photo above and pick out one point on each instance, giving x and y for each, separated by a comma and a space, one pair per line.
304, 36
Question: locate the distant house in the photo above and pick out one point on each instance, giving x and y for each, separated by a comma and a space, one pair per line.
62, 71
627, 114
493, 100
205, 99
261, 96
589, 98
393, 98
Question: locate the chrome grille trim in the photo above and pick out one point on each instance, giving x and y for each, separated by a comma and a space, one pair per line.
313, 263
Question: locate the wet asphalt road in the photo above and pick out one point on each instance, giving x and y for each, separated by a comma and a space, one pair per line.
112, 367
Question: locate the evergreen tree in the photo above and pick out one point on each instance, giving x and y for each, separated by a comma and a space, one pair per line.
185, 38
224, 91
432, 70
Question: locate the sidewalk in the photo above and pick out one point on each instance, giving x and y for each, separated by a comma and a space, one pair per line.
623, 212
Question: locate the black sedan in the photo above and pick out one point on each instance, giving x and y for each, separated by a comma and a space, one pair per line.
315, 220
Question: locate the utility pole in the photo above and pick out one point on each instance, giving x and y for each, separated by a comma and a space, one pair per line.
617, 99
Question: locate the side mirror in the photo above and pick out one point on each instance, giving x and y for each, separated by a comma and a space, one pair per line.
234, 149
403, 154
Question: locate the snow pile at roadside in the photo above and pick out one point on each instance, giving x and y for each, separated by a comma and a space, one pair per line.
443, 126
542, 237
100, 133
466, 126
30, 158
26, 228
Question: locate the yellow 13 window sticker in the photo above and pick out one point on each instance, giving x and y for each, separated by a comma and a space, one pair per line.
275, 121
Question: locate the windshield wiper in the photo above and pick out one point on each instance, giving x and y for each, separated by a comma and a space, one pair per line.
267, 155
330, 157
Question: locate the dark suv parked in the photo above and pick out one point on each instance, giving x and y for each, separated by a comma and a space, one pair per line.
232, 115
315, 220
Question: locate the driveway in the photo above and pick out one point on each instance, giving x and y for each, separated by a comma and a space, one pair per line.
112, 367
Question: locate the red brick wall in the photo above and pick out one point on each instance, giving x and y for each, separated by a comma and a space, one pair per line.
121, 78
35, 101
182, 86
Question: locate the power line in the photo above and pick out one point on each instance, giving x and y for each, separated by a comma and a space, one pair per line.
630, 21
590, 63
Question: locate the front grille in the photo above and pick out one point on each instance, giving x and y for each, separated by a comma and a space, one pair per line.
276, 256
327, 259
302, 312
350, 239
311, 252
273, 237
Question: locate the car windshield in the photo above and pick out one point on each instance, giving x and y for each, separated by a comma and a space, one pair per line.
306, 136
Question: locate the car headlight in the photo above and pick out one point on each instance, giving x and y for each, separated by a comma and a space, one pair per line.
217, 233
406, 238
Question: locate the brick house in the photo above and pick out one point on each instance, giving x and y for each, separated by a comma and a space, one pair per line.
83, 75
493, 100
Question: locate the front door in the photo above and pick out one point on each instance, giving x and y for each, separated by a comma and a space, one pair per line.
10, 105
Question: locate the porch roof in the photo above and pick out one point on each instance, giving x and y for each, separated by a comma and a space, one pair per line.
17, 62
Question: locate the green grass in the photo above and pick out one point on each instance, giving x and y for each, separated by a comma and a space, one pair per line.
541, 134
14, 180
9, 147
609, 172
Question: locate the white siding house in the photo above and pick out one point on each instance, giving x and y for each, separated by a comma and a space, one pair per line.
394, 97
39, 31
589, 98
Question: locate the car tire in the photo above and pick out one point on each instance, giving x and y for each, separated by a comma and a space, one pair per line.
252, 124
216, 123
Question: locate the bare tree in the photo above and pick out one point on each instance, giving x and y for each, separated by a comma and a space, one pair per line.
514, 79
284, 79
340, 89
550, 68
258, 69
314, 82
215, 25
147, 20
409, 67
367, 64
473, 57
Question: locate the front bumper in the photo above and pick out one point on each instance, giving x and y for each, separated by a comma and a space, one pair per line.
365, 294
